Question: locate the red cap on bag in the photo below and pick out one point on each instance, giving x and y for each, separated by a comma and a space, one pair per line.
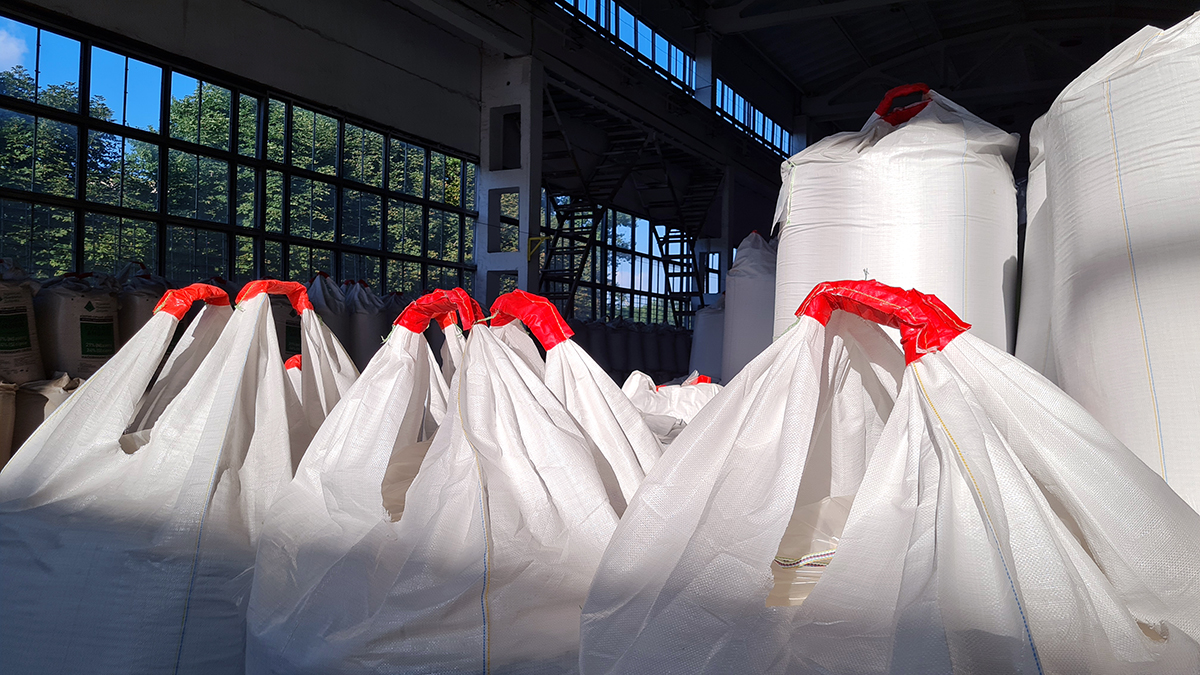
538, 314
295, 291
178, 301
469, 311
429, 307
293, 362
926, 324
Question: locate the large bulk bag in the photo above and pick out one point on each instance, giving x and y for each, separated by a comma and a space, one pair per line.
141, 290
835, 510
8, 415
36, 400
485, 564
749, 304
921, 197
667, 409
135, 552
1121, 202
330, 304
77, 317
627, 448
369, 324
20, 353
708, 340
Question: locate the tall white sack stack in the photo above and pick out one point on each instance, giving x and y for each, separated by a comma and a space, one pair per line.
1121, 198
749, 304
20, 353
921, 197
77, 316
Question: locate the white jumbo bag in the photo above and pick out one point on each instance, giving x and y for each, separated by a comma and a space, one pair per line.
293, 367
140, 292
749, 304
78, 322
1122, 172
369, 325
708, 340
669, 408
920, 197
490, 559
1037, 269
834, 511
20, 353
627, 448
135, 552
330, 304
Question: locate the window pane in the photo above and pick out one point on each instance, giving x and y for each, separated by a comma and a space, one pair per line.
645, 40
407, 168
40, 239
641, 235
272, 260
403, 277
454, 181
111, 242
215, 116
197, 187
314, 141
469, 240
194, 254
624, 231
437, 177
247, 126
19, 60
362, 219
362, 158
312, 209
16, 150
143, 95
304, 262
104, 168
361, 268
247, 211
139, 184
185, 108
662, 55
625, 26
54, 164
276, 120
441, 277
405, 231
107, 86
243, 259
58, 71
274, 202
469, 186
434, 235
449, 236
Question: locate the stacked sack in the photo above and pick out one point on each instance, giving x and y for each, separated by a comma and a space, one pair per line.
141, 290
129, 520
1117, 237
921, 197
78, 317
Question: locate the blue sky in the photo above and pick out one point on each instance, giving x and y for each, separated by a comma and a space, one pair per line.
135, 99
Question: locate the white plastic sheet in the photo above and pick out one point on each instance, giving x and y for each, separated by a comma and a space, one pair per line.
1118, 229
134, 552
993, 525
926, 202
486, 563
749, 304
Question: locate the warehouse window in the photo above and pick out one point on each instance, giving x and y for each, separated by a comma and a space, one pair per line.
636, 38
108, 157
736, 109
625, 276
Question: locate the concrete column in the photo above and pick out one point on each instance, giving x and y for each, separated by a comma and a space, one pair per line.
706, 80
510, 151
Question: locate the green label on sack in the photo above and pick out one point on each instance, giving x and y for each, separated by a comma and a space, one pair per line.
97, 336
14, 330
291, 338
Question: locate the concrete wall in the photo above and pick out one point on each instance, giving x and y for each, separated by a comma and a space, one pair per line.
369, 58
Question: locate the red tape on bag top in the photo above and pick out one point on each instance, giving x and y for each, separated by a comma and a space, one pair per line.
295, 291
178, 301
469, 311
294, 362
902, 115
926, 324
435, 306
538, 314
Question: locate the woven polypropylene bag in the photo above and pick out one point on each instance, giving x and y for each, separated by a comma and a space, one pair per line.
993, 525
133, 551
490, 560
